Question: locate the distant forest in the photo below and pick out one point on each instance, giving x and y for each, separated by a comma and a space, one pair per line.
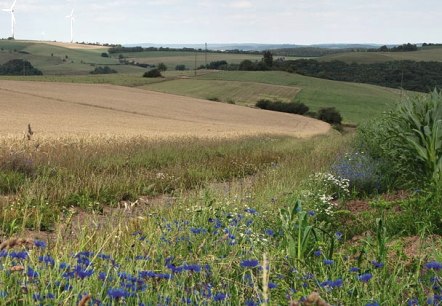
409, 75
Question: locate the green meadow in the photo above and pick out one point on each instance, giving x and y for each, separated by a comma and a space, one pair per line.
427, 54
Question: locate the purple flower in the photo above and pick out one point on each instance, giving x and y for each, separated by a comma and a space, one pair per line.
31, 273
192, 268
328, 262
317, 253
47, 260
219, 297
270, 232
377, 264
117, 293
250, 211
434, 265
413, 302
19, 255
40, 244
272, 285
354, 269
365, 277
251, 263
339, 235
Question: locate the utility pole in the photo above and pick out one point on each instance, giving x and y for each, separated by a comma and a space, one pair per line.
205, 54
195, 61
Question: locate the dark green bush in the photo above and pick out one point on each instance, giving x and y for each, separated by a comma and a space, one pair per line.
284, 107
153, 73
103, 70
330, 115
180, 67
18, 67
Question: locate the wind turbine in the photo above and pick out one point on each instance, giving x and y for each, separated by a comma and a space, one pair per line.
11, 10
72, 18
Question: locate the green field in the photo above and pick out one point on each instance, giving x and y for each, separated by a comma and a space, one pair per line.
174, 58
356, 102
426, 54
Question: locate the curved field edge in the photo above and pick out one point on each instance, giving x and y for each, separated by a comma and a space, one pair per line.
62, 109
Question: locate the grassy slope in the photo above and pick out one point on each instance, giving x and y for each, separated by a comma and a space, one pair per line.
245, 93
356, 102
56, 60
427, 54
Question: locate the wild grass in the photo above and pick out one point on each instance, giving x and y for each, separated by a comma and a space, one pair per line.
217, 244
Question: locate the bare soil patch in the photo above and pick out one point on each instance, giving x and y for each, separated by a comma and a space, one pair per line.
60, 109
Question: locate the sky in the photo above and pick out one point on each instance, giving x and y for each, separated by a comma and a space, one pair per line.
231, 21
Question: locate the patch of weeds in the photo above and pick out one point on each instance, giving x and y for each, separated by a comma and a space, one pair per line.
11, 181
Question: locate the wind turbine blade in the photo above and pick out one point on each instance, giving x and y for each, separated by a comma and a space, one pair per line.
13, 4
7, 10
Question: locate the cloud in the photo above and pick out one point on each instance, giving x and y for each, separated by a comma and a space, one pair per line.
241, 4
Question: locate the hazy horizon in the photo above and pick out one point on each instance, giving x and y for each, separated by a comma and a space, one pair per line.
298, 22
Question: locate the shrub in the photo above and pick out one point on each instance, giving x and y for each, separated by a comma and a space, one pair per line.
330, 115
153, 73
278, 106
162, 67
18, 67
103, 70
104, 54
180, 67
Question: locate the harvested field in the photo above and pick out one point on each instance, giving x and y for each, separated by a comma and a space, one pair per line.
58, 109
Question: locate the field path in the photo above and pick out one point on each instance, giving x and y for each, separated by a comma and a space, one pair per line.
57, 109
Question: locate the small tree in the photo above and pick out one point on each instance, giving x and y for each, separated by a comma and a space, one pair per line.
153, 73
162, 67
104, 54
180, 67
330, 115
268, 58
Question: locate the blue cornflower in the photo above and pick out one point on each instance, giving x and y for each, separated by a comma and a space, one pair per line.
413, 302
40, 244
32, 273
365, 277
47, 260
372, 303
270, 232
433, 265
104, 256
19, 255
197, 231
317, 253
250, 211
82, 273
377, 264
37, 297
250, 263
354, 269
3, 253
251, 303
339, 235
328, 262
141, 257
117, 293
311, 213
272, 285
219, 297
64, 266
102, 275
192, 268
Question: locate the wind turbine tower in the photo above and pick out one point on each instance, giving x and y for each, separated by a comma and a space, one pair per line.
72, 19
11, 10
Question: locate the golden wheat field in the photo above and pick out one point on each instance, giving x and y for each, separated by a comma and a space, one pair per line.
61, 109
